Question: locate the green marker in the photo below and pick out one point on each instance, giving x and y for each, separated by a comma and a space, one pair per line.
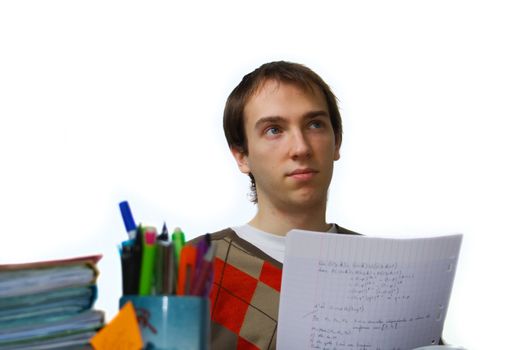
178, 240
148, 261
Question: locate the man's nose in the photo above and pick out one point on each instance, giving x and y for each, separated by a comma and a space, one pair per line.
299, 146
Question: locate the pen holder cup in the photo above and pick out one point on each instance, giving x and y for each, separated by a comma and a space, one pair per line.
172, 322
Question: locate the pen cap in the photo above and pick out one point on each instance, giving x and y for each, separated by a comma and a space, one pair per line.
125, 210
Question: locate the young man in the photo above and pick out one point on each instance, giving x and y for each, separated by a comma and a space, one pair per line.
284, 130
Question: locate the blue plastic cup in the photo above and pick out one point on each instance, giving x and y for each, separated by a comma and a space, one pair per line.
172, 322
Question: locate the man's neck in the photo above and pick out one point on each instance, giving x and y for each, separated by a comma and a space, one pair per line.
280, 222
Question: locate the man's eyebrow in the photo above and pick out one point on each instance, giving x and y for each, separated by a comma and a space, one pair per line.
268, 120
315, 114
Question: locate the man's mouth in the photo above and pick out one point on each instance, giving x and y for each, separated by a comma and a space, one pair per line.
302, 174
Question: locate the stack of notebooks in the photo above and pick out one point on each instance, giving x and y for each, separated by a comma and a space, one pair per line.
48, 305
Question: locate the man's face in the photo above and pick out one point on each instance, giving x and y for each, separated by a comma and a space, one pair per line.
291, 146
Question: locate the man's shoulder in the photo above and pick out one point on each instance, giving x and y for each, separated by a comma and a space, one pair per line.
340, 229
224, 234
228, 234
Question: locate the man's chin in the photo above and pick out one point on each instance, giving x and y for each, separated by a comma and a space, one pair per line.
308, 200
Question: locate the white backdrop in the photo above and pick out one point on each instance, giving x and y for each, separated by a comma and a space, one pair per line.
102, 101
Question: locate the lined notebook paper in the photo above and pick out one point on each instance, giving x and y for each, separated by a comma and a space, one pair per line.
364, 293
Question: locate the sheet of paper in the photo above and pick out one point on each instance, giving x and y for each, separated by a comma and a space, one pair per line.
122, 332
364, 293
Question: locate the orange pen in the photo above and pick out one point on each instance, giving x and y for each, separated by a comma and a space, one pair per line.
188, 255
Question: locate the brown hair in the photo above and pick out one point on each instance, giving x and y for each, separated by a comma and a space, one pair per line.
281, 71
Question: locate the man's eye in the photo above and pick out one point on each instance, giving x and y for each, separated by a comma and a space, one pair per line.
272, 131
316, 124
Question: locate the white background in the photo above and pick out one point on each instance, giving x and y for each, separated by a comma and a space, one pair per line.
102, 101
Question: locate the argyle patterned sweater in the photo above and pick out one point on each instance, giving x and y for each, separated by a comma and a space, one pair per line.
245, 294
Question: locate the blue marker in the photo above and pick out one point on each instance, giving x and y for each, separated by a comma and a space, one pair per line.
131, 228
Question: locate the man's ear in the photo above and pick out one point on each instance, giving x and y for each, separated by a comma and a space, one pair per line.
241, 157
337, 155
